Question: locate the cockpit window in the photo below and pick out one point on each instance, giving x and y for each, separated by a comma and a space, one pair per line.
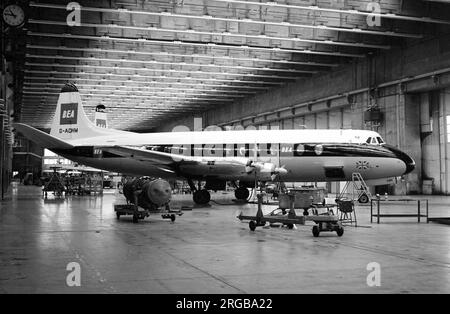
375, 140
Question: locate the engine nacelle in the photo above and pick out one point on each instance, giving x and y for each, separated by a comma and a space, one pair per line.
265, 171
149, 194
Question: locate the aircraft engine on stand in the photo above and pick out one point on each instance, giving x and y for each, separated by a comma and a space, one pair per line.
147, 193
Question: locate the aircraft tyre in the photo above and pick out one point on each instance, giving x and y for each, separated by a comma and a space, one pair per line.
241, 193
315, 231
201, 197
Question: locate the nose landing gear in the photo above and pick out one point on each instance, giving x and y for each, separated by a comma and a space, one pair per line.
241, 193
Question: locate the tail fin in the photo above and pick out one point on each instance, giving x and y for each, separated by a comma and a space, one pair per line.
70, 121
101, 118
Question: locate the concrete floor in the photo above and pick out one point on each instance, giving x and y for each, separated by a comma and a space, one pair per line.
209, 251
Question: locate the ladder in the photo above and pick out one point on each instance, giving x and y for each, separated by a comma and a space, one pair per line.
358, 188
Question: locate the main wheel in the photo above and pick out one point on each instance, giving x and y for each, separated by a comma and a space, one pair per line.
117, 215
206, 196
290, 226
196, 197
363, 199
201, 197
340, 231
252, 225
241, 193
135, 218
315, 231
172, 217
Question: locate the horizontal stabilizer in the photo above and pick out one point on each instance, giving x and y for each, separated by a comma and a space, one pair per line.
41, 138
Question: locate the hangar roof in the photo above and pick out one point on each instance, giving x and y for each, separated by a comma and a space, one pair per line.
149, 61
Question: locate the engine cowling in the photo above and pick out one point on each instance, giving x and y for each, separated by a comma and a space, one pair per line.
157, 191
265, 171
150, 194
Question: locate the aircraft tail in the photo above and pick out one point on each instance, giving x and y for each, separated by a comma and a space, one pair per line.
101, 118
70, 121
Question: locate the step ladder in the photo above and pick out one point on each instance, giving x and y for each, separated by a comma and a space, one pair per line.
346, 207
357, 186
55, 184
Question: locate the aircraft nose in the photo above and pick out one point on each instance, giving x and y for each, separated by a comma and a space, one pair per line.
409, 162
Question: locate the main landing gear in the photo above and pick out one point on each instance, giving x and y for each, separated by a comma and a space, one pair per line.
241, 193
200, 196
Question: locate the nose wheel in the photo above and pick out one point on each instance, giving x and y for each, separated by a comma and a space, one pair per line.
241, 193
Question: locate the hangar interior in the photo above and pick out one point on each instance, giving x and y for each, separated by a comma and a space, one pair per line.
381, 65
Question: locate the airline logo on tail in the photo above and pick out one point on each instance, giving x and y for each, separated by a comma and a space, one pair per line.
101, 123
69, 113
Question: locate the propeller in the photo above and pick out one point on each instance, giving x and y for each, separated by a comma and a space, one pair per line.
279, 171
265, 170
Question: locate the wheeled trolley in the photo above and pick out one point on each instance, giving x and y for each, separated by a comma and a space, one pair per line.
260, 219
133, 210
324, 223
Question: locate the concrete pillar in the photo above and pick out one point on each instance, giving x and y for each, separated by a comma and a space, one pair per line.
347, 118
335, 119
407, 138
322, 120
310, 121
287, 124
299, 123
431, 155
410, 140
425, 121
444, 139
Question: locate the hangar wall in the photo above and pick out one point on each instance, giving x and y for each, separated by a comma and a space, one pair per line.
397, 82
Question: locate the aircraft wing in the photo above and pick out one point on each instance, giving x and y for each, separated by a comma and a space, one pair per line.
151, 156
196, 165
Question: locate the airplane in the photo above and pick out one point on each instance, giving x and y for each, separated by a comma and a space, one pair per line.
218, 157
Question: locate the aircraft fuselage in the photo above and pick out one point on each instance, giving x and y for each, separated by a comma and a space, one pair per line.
304, 161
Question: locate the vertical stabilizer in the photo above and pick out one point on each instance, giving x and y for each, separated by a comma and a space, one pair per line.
100, 118
70, 121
